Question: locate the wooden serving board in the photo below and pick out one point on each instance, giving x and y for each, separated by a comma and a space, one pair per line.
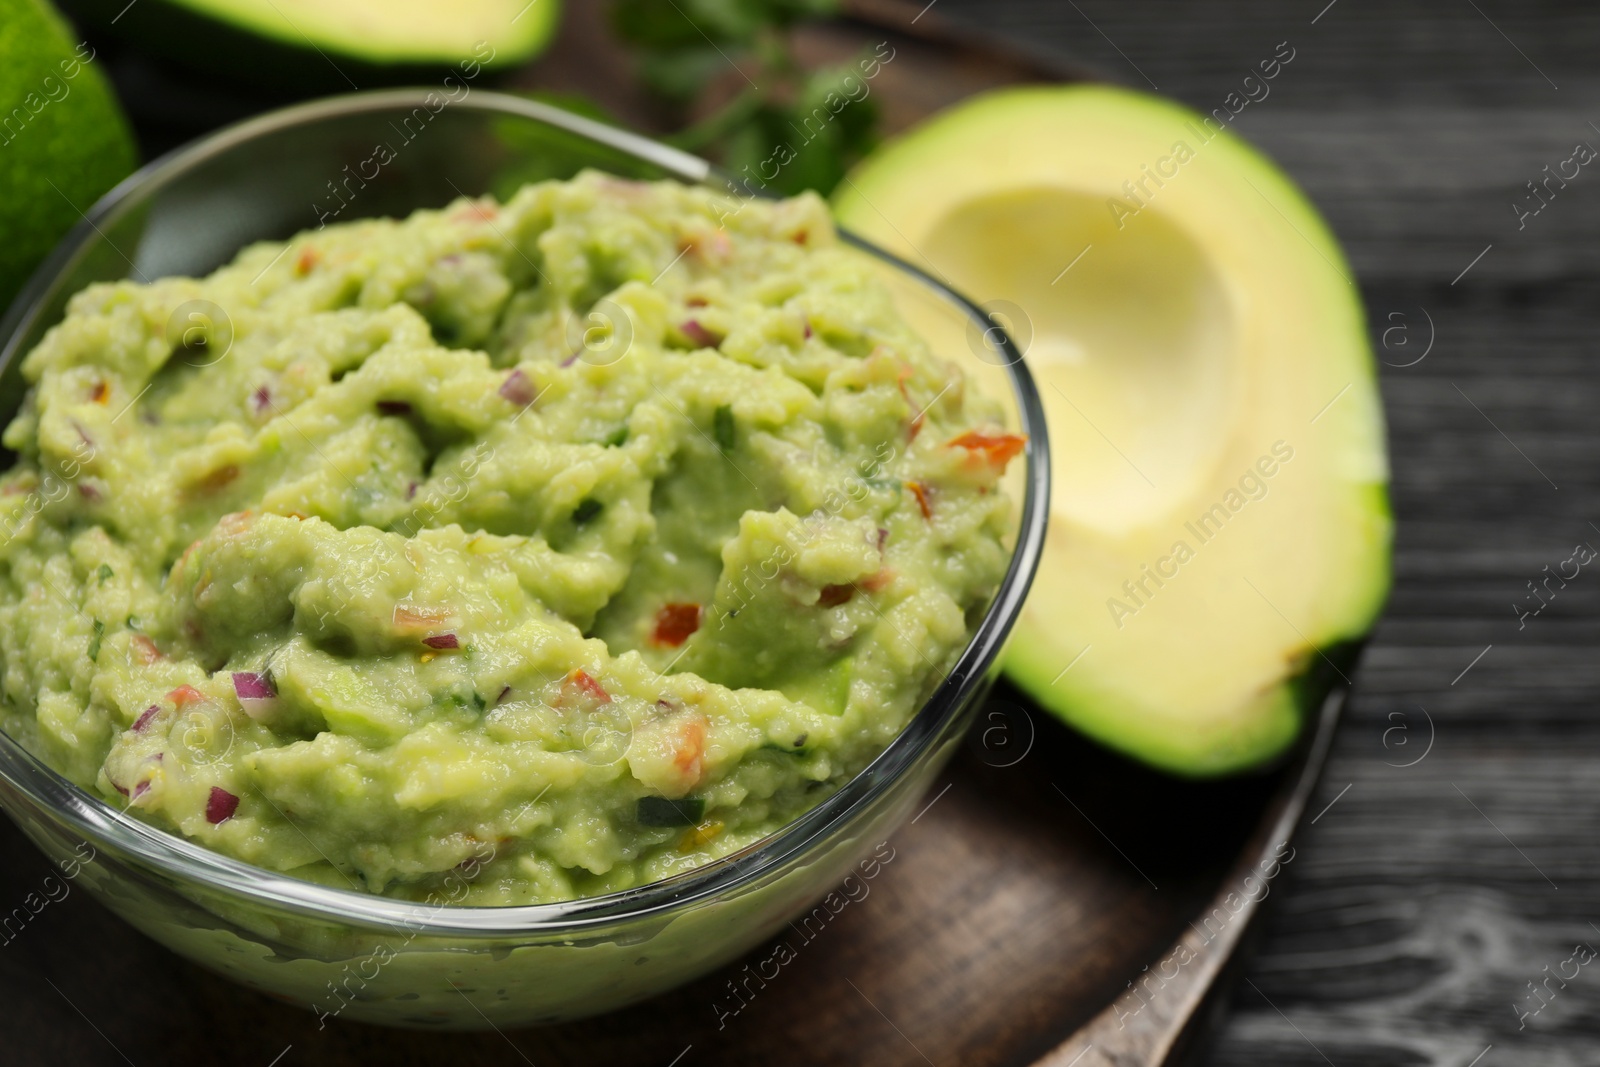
1043, 876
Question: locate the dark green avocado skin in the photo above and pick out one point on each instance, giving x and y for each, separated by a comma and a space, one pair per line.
241, 57
1323, 671
1328, 669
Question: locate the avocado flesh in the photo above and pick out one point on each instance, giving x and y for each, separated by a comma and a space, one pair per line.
1209, 334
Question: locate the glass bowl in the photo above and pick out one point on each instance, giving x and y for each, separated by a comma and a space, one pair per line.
346, 954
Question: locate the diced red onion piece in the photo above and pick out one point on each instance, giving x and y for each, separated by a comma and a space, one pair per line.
251, 684
442, 641
220, 805
255, 692
144, 718
700, 335
832, 596
518, 388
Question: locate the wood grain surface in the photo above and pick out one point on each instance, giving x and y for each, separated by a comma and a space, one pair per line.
1452, 862
1428, 897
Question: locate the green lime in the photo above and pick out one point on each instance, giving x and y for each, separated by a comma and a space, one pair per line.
63, 139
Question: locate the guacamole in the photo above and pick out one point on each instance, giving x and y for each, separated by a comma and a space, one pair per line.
571, 542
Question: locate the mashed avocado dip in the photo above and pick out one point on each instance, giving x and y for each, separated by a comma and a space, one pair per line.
574, 541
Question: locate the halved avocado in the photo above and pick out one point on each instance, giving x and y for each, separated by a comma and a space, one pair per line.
330, 44
1220, 520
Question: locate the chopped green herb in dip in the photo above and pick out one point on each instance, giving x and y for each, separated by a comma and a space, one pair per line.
586, 538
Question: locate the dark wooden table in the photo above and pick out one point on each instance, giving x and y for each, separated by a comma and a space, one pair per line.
1427, 897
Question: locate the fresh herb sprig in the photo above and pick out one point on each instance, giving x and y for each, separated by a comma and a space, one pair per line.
790, 128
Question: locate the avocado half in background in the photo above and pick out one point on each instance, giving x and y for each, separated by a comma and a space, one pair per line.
63, 139
311, 46
1220, 521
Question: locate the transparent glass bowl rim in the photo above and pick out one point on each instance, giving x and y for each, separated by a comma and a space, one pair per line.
183, 861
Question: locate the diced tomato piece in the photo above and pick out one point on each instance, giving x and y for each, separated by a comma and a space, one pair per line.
675, 623
477, 213
185, 695
689, 749
715, 247
408, 618
236, 521
145, 650
215, 480
997, 449
878, 580
101, 393
309, 257
904, 374
586, 683
924, 500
